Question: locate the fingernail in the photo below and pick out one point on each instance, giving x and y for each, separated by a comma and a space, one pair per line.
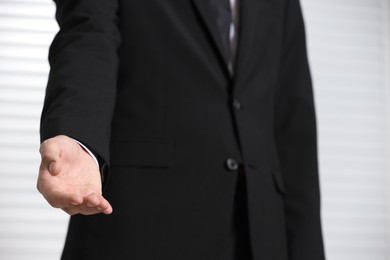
89, 205
99, 208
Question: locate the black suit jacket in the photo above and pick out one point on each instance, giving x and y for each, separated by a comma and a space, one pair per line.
145, 86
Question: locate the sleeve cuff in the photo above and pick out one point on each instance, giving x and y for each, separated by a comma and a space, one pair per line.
90, 153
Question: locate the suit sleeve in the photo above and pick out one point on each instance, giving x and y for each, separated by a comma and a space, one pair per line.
296, 140
81, 89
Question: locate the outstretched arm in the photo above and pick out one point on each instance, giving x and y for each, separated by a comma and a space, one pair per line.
79, 103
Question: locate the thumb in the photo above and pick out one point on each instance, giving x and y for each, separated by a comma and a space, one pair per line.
54, 168
50, 152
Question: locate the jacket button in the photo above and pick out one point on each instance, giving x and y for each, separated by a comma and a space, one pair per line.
237, 105
231, 164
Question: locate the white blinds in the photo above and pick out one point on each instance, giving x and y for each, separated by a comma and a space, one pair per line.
348, 48
350, 64
29, 228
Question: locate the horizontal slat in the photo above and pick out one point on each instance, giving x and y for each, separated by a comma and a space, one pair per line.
31, 96
30, 256
25, 39
33, 53
28, 81
27, 24
44, 10
24, 65
41, 214
29, 2
369, 4
48, 244
20, 109
29, 139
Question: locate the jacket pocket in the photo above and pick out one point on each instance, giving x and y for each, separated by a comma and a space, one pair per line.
279, 182
142, 153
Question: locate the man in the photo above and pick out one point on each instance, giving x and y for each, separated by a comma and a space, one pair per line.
207, 150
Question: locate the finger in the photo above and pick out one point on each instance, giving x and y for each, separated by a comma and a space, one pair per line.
62, 200
93, 200
98, 202
51, 167
105, 207
71, 211
50, 149
82, 209
55, 168
50, 153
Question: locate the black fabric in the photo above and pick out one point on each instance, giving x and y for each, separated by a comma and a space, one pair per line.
223, 17
144, 84
238, 245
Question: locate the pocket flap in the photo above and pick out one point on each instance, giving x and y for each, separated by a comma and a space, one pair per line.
142, 153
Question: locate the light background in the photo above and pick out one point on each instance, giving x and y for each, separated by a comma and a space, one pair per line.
349, 51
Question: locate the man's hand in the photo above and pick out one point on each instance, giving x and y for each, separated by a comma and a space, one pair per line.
70, 179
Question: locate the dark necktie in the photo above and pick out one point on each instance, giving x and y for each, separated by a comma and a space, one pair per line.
224, 18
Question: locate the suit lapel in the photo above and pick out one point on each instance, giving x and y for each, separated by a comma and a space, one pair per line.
246, 35
205, 12
247, 31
